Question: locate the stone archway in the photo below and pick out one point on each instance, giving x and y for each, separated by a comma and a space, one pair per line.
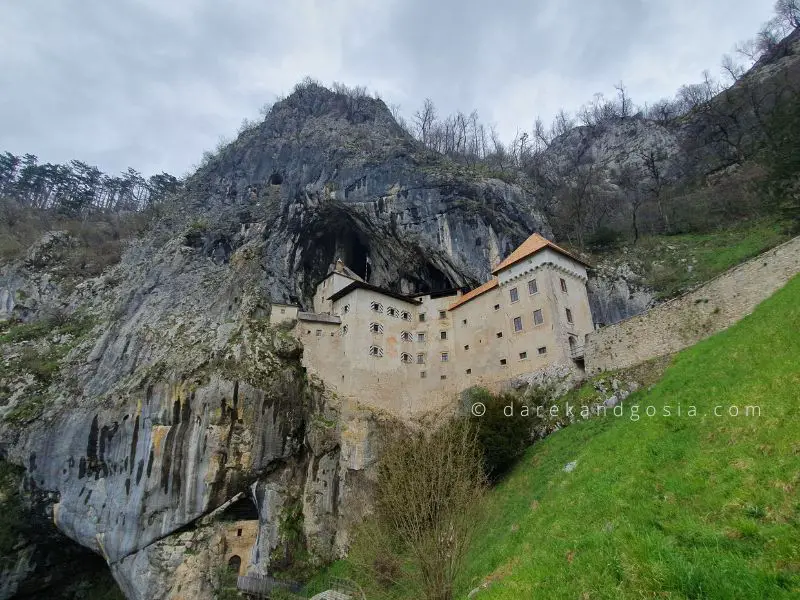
235, 563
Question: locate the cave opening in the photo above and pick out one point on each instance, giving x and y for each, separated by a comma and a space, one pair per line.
276, 179
333, 235
243, 509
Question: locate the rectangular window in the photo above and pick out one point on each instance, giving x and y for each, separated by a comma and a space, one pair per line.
421, 337
422, 317
464, 322
538, 318
523, 355
423, 374
319, 332
497, 307
421, 358
502, 361
569, 315
442, 376
445, 356
469, 371
443, 335
563, 285
517, 323
533, 287
283, 311
499, 334
466, 347
514, 294
542, 350
442, 314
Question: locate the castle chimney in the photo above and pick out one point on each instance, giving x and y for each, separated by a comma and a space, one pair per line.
339, 266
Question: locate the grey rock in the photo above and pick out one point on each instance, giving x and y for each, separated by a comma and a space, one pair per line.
570, 466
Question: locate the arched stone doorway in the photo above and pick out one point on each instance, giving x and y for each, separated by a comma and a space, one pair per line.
235, 563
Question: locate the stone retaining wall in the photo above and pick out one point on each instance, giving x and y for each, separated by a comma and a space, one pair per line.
696, 315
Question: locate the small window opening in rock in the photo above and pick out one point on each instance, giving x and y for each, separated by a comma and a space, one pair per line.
275, 179
238, 533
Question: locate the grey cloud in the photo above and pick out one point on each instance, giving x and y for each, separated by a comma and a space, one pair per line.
151, 84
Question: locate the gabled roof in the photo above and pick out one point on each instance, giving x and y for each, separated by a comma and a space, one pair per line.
368, 286
491, 284
529, 247
346, 271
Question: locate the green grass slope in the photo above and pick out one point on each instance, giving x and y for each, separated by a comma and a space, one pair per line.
684, 506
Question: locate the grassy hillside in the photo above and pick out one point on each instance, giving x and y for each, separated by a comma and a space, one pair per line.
671, 264
669, 507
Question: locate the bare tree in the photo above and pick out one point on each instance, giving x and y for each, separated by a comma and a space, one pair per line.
653, 161
424, 120
732, 68
788, 13
628, 183
624, 102
428, 499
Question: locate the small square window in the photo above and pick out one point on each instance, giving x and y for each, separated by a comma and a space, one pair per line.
523, 355
442, 335
569, 315
442, 314
464, 322
319, 332
533, 287
497, 307
514, 294
442, 376
538, 318
469, 371
517, 323
542, 350
421, 337
499, 334
420, 358
466, 347
422, 317
423, 374
563, 285
445, 356
283, 311
502, 361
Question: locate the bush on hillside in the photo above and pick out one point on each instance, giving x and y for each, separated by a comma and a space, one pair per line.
502, 439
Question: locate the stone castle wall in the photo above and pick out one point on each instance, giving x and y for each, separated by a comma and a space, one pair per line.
694, 316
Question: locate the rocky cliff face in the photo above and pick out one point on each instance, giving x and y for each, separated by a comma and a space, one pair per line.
328, 175
141, 400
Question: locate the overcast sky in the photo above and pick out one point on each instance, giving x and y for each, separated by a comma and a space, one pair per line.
152, 83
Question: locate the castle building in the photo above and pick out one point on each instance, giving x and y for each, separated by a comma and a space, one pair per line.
409, 354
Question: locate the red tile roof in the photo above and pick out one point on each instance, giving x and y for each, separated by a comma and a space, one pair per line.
492, 283
529, 247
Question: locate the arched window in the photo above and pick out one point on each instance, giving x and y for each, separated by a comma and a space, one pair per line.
376, 351
376, 306
406, 336
406, 358
376, 328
